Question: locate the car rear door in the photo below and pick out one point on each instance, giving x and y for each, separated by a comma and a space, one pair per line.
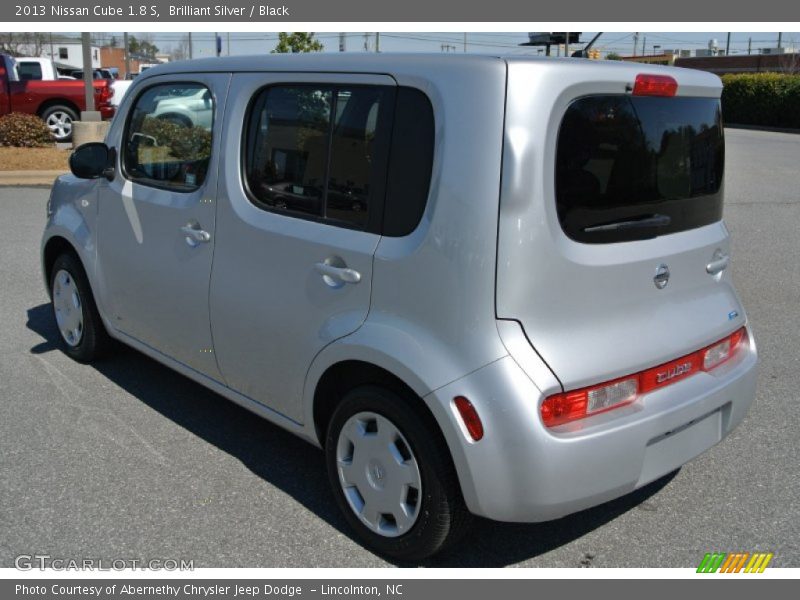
612, 253
298, 220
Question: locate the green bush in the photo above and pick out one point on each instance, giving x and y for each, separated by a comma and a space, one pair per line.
767, 99
185, 142
24, 131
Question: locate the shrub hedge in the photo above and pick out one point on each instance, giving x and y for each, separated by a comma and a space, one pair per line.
185, 141
24, 131
767, 99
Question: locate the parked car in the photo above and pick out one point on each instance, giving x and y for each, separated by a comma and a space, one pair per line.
120, 87
519, 319
59, 103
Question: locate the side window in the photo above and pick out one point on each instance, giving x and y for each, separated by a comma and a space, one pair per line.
320, 151
29, 70
410, 163
167, 141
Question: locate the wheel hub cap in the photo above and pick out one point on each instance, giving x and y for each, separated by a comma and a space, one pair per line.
379, 474
68, 308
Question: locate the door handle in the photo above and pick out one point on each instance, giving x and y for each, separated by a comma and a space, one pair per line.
719, 262
195, 235
337, 274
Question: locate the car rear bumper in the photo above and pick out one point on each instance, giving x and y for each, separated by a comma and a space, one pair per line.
522, 471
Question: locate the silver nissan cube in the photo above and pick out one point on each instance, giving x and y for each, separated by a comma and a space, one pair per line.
482, 285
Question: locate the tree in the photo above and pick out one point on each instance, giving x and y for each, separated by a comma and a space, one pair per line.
22, 44
613, 56
181, 51
297, 42
142, 46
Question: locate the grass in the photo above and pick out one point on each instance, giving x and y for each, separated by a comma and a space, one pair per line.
34, 159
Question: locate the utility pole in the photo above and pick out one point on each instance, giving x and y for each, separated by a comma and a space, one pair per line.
127, 56
780, 35
635, 42
465, 41
342, 42
728, 45
366, 42
88, 71
644, 44
377, 41
52, 54
566, 45
190, 46
749, 45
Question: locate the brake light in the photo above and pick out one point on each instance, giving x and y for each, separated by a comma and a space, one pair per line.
104, 94
578, 404
654, 85
470, 417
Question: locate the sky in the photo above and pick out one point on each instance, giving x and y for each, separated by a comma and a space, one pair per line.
497, 42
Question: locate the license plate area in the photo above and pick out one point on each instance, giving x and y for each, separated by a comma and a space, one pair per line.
670, 450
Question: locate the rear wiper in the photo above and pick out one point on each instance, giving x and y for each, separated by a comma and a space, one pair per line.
652, 221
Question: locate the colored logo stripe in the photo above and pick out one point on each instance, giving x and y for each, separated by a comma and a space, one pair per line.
734, 562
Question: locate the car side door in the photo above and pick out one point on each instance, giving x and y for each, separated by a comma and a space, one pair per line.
157, 220
299, 218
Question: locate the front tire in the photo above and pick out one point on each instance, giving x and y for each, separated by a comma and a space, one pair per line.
392, 475
82, 332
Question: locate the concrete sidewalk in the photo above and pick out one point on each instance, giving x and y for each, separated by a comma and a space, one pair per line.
28, 178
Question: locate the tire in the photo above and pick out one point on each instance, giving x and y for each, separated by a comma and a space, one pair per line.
429, 513
83, 335
59, 119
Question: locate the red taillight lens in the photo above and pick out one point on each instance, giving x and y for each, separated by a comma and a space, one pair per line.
654, 85
570, 406
578, 404
104, 93
470, 417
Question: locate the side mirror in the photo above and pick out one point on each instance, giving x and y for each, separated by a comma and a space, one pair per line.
92, 161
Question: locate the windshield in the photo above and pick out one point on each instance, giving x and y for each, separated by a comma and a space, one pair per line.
631, 168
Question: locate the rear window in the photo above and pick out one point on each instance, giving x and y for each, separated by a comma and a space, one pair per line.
632, 168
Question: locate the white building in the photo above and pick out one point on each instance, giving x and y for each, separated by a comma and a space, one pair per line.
69, 55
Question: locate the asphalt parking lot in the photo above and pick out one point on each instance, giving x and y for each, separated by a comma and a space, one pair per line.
127, 459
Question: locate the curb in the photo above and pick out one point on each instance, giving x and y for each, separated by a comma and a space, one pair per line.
761, 128
28, 178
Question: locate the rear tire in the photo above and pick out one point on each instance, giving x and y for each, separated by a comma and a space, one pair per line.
83, 335
59, 119
429, 513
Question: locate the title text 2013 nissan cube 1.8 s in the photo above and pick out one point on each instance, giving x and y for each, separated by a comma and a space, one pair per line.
484, 285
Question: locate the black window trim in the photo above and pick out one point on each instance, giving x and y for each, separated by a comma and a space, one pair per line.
123, 150
376, 210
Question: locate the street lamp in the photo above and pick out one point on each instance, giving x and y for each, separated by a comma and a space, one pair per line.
656, 47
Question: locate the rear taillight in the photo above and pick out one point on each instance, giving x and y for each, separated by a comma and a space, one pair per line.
578, 404
104, 94
654, 85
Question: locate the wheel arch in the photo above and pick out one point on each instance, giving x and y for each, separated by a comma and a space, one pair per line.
54, 247
346, 375
50, 102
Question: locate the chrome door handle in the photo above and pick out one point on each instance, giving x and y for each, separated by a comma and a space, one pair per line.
195, 235
338, 274
718, 264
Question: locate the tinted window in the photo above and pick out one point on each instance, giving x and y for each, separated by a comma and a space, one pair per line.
410, 163
320, 151
167, 141
631, 168
29, 70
